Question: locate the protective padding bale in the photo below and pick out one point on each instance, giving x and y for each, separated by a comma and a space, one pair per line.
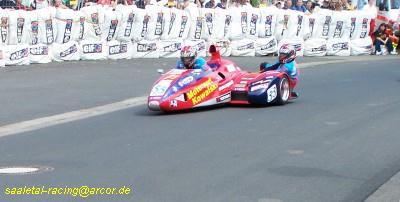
16, 54
39, 53
323, 28
119, 50
66, 28
93, 50
124, 32
340, 26
19, 25
196, 23
93, 21
359, 24
33, 28
244, 47
156, 22
254, 20
65, 52
208, 22
222, 24
361, 46
170, 48
47, 31
297, 43
199, 45
2, 60
267, 22
265, 46
239, 23
4, 27
223, 45
111, 23
145, 49
140, 25
315, 47
338, 47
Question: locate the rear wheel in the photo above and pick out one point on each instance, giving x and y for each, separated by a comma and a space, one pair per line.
283, 91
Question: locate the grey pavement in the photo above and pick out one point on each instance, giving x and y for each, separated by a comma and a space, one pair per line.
338, 142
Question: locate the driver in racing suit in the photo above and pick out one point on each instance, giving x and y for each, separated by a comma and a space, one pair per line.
286, 61
189, 60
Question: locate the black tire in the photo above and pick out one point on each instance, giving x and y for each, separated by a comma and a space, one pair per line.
283, 89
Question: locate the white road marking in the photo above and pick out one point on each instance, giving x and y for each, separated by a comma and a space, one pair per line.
44, 122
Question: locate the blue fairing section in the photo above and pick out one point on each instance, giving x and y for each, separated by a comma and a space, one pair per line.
199, 63
260, 96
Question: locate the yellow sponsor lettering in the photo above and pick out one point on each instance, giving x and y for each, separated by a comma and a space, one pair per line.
203, 95
198, 89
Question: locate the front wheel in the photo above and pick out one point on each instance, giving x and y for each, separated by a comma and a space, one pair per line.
283, 91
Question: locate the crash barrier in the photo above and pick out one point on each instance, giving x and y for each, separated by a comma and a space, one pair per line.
98, 33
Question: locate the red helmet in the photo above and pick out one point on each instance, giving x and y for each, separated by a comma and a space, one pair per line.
287, 54
188, 56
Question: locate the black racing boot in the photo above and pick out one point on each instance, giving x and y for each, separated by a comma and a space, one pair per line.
294, 95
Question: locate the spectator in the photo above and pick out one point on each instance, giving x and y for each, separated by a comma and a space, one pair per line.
255, 3
39, 4
200, 3
60, 4
222, 4
299, 6
278, 5
246, 4
371, 8
288, 4
382, 38
263, 4
140, 4
7, 4
310, 6
325, 4
210, 4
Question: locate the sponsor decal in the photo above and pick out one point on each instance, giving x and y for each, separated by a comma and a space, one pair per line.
244, 82
172, 47
222, 44
69, 51
253, 24
322, 48
246, 46
240, 85
243, 21
269, 45
20, 28
155, 98
268, 23
199, 25
4, 29
145, 25
19, 54
338, 29
285, 23
260, 82
299, 23
49, 31
171, 22
173, 103
176, 71
118, 49
95, 22
40, 50
352, 26
81, 27
311, 22
67, 31
297, 47
200, 46
364, 28
239, 89
92, 48
35, 31
209, 22
180, 98
259, 86
183, 25
325, 27
129, 23
224, 97
113, 27
272, 93
340, 46
160, 88
225, 86
228, 20
149, 47
199, 93
186, 81
159, 25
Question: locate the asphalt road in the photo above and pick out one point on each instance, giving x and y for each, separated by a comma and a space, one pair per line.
338, 142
